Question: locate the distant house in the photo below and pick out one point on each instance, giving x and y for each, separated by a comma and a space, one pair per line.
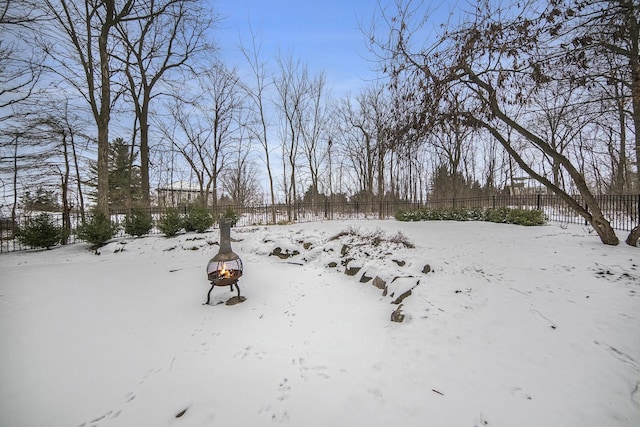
522, 186
179, 194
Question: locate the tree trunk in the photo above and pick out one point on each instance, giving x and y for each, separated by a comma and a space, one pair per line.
14, 183
634, 60
634, 237
144, 153
66, 209
380, 178
102, 119
78, 181
593, 214
103, 169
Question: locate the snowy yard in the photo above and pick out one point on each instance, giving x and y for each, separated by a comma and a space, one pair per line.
512, 326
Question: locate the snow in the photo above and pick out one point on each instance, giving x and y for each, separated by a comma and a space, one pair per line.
512, 326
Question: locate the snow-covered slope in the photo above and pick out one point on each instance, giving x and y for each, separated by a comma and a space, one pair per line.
508, 326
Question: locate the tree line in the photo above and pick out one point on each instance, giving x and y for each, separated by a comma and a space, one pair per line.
104, 101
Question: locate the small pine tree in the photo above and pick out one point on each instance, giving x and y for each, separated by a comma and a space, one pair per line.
229, 213
40, 232
97, 231
138, 222
198, 219
170, 222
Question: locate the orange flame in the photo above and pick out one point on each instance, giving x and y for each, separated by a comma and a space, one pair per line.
223, 272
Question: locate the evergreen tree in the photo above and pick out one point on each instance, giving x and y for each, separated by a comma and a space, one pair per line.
124, 175
98, 230
40, 232
138, 222
170, 222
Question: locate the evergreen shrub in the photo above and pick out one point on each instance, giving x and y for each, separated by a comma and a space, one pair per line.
138, 222
40, 232
170, 222
498, 215
98, 230
229, 213
198, 219
526, 217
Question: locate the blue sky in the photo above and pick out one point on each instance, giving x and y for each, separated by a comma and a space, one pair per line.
324, 34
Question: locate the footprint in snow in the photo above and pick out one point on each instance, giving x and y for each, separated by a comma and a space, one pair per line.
635, 395
280, 418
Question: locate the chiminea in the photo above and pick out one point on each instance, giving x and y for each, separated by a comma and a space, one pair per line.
225, 268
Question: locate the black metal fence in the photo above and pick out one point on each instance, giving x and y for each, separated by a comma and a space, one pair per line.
623, 211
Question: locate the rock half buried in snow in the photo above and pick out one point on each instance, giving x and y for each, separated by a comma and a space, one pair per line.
351, 271
283, 254
364, 278
378, 282
400, 288
397, 316
235, 300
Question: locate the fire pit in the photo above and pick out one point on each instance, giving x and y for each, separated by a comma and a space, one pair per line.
225, 268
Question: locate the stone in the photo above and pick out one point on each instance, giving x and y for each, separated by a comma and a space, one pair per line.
397, 316
344, 250
351, 271
401, 297
379, 283
426, 269
283, 255
307, 245
364, 278
347, 261
332, 264
235, 300
399, 262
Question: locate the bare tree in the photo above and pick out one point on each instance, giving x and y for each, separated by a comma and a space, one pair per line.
499, 61
294, 89
560, 118
207, 126
169, 35
356, 140
58, 132
191, 138
612, 28
240, 177
313, 129
81, 35
258, 96
20, 64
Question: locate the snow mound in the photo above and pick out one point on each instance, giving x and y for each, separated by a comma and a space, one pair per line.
508, 326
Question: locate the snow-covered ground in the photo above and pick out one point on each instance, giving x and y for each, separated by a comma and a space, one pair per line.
512, 326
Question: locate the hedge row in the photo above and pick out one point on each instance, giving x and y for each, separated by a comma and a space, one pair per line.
42, 232
499, 215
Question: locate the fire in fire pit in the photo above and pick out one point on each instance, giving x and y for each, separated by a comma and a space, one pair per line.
225, 268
